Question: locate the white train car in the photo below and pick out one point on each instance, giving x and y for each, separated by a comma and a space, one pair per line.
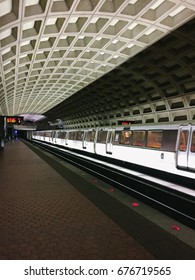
164, 147
45, 136
169, 148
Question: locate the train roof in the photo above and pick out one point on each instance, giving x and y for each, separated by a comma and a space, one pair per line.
134, 126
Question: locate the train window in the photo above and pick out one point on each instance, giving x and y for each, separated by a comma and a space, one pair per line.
75, 135
63, 135
154, 139
101, 138
193, 142
90, 136
183, 140
79, 135
139, 138
116, 137
169, 140
71, 135
125, 137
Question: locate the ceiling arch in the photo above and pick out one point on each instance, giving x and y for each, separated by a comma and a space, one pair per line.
52, 49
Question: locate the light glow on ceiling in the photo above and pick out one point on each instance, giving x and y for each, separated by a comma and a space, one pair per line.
132, 25
6, 51
115, 41
114, 22
150, 30
132, 1
94, 20
130, 45
28, 25
25, 43
51, 21
73, 19
5, 34
177, 11
5, 7
157, 4
31, 2
32, 117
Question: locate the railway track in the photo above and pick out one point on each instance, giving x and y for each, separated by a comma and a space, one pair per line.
172, 199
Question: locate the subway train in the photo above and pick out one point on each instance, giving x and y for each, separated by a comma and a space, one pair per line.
168, 148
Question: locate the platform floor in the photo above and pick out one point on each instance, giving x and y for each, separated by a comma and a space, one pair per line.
48, 211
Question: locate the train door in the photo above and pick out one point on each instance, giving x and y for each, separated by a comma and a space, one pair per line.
56, 136
184, 155
52, 136
109, 141
191, 156
94, 139
62, 137
67, 136
85, 139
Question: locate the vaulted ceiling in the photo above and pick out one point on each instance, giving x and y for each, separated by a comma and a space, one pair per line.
52, 49
156, 85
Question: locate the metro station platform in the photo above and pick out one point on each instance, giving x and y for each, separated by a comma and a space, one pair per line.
52, 210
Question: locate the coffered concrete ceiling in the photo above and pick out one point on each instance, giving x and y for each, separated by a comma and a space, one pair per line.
156, 85
52, 49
